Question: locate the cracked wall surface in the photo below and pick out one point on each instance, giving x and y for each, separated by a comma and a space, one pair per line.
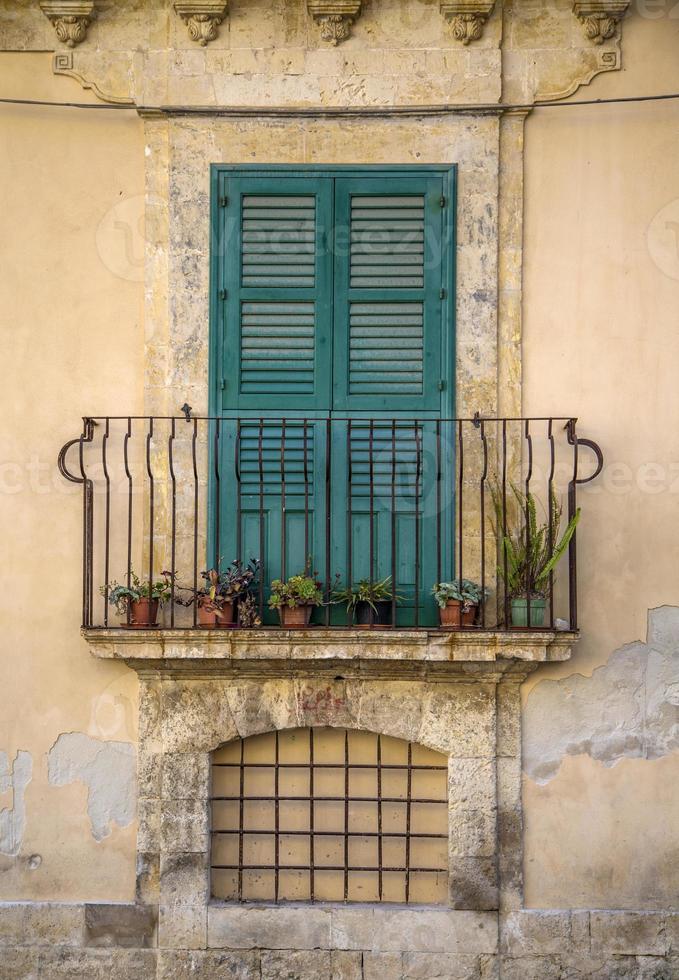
628, 708
15, 776
108, 769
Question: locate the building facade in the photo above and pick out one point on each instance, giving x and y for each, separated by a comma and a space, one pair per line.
368, 291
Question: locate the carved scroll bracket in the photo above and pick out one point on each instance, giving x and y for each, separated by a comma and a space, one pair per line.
70, 19
334, 17
600, 18
467, 17
202, 18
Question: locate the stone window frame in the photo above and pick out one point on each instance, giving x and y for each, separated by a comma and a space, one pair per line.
473, 720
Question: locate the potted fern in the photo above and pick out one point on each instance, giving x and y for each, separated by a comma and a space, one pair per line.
370, 602
529, 555
458, 602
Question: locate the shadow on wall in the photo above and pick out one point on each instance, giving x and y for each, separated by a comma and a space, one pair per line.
628, 708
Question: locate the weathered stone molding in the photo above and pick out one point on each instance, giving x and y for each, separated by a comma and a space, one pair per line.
600, 18
467, 17
62, 64
334, 17
202, 18
70, 19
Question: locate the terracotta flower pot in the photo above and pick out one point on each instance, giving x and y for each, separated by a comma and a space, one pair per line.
143, 613
215, 618
454, 617
295, 616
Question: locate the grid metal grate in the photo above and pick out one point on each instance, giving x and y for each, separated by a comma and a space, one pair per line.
326, 814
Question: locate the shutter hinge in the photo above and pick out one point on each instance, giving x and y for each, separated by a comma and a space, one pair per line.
222, 383
222, 294
223, 201
442, 386
442, 293
442, 200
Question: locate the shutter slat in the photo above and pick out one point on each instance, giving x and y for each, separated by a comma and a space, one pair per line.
277, 347
377, 341
394, 227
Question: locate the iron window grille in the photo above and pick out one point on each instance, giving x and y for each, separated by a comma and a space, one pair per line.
323, 814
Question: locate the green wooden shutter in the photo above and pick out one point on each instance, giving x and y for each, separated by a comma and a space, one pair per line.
388, 282
276, 293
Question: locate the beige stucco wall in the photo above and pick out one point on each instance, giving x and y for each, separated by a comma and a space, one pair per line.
599, 341
72, 341
600, 336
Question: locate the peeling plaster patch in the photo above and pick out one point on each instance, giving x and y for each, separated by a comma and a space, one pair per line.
629, 708
109, 771
13, 819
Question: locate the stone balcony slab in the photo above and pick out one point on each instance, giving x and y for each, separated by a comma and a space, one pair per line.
375, 652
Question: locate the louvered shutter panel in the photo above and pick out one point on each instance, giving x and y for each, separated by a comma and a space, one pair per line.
277, 326
388, 283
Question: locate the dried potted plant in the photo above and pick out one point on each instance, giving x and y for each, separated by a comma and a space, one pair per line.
296, 597
529, 555
458, 602
139, 601
370, 602
216, 599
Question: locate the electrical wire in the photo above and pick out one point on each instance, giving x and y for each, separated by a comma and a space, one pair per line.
489, 107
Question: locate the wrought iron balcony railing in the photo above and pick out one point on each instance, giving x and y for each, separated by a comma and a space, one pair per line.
417, 501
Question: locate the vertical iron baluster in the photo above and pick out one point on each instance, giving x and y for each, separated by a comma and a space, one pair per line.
482, 492
379, 815
284, 505
239, 505
460, 510
311, 815
306, 491
276, 818
346, 815
393, 523
88, 526
418, 475
504, 522
128, 473
149, 470
550, 496
572, 546
240, 819
350, 516
328, 526
371, 501
107, 532
408, 796
218, 505
529, 473
438, 501
260, 460
194, 461
173, 542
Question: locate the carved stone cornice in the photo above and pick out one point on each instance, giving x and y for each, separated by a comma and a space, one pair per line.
467, 17
202, 17
600, 18
70, 19
334, 17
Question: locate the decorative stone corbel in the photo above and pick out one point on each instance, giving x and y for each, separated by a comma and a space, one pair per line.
334, 17
467, 17
202, 17
70, 18
600, 18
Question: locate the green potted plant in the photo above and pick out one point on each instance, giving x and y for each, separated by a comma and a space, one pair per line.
458, 602
139, 601
296, 597
529, 555
369, 602
217, 598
